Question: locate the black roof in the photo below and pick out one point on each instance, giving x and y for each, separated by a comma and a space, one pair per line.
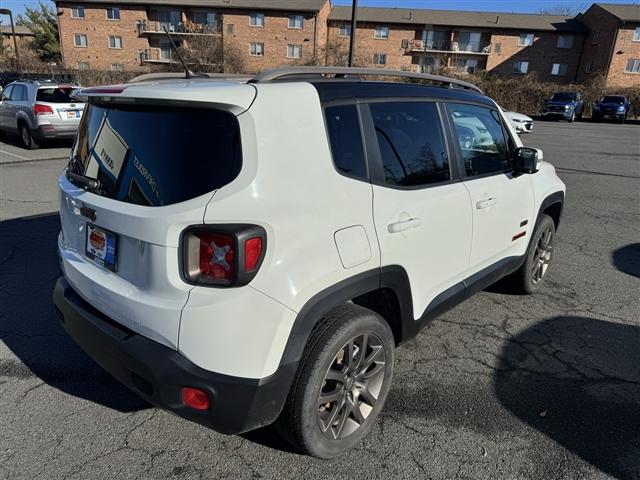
345, 90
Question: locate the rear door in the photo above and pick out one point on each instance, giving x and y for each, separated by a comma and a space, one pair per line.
501, 202
421, 210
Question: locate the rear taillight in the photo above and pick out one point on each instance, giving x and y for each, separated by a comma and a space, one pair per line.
40, 109
223, 255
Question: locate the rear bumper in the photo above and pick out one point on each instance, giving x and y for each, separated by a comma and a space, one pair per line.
157, 373
53, 131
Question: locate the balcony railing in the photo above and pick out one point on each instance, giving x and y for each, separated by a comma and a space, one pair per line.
449, 46
156, 55
188, 28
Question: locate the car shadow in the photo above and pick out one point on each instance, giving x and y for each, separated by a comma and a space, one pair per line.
29, 326
14, 140
627, 259
577, 380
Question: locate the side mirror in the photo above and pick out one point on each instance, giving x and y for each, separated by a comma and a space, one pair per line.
527, 160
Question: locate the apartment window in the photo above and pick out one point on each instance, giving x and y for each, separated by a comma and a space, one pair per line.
497, 48
595, 35
633, 66
565, 41
256, 20
294, 51
77, 12
115, 42
80, 40
230, 28
381, 32
83, 66
559, 69
525, 40
257, 49
636, 35
205, 19
380, 58
296, 22
520, 67
587, 67
117, 67
113, 13
345, 30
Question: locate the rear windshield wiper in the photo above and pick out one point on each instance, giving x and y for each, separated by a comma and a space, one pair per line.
85, 182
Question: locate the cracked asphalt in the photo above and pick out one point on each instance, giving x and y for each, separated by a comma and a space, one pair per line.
502, 387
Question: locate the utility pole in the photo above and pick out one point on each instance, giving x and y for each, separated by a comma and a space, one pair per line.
354, 21
6, 11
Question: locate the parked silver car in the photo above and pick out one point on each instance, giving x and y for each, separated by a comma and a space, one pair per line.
39, 110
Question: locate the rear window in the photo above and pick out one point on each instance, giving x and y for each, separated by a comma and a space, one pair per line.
54, 95
157, 156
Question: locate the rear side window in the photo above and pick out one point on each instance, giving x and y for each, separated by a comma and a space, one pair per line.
54, 95
481, 139
346, 140
157, 156
411, 142
19, 93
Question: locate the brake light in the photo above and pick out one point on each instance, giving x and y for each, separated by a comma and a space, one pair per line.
223, 255
195, 398
40, 109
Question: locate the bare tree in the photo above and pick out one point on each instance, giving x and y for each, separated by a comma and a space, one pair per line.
212, 53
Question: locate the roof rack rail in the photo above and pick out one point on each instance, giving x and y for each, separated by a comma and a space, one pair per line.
180, 75
343, 72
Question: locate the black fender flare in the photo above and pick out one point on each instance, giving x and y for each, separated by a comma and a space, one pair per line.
556, 197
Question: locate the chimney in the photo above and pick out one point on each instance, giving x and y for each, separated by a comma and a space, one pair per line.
498, 20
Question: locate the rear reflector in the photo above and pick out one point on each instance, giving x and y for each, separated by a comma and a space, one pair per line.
40, 109
252, 252
195, 398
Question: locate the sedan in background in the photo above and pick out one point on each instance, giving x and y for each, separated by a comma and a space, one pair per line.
611, 106
520, 122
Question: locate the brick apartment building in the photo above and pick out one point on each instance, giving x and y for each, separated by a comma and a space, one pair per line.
427, 40
128, 35
613, 45
24, 36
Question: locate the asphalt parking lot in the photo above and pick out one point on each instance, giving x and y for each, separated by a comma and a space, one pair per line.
502, 387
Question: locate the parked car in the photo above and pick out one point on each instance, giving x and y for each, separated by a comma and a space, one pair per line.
611, 106
520, 122
566, 105
39, 110
248, 252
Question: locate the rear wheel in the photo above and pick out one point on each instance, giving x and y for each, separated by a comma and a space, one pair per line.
27, 139
528, 278
342, 385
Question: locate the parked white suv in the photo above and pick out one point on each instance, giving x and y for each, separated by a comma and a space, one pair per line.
240, 252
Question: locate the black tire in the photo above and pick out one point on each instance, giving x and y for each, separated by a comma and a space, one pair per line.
522, 280
623, 119
26, 137
300, 421
573, 118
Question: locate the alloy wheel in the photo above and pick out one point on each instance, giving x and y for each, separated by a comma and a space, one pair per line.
542, 256
351, 386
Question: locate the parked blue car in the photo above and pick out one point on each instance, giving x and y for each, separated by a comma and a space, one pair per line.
612, 106
567, 105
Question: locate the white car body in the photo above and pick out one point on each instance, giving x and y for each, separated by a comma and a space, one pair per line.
520, 122
322, 231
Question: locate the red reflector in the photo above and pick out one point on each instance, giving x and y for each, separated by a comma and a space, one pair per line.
195, 398
216, 256
252, 252
40, 109
518, 235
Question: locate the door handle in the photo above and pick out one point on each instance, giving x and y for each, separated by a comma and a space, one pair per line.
485, 203
398, 227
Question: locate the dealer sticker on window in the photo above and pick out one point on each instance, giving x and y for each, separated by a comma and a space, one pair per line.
101, 247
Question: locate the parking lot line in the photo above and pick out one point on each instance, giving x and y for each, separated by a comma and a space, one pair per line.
3, 152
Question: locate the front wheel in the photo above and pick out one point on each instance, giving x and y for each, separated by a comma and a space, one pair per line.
342, 385
572, 118
528, 278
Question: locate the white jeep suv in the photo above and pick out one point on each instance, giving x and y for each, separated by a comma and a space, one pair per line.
245, 251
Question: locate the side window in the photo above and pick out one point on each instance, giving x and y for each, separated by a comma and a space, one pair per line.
19, 93
481, 139
346, 140
411, 142
7, 92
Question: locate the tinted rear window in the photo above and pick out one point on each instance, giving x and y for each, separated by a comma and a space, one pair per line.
157, 155
346, 140
54, 95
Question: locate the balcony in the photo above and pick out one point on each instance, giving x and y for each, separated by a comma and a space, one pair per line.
181, 28
157, 55
448, 46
